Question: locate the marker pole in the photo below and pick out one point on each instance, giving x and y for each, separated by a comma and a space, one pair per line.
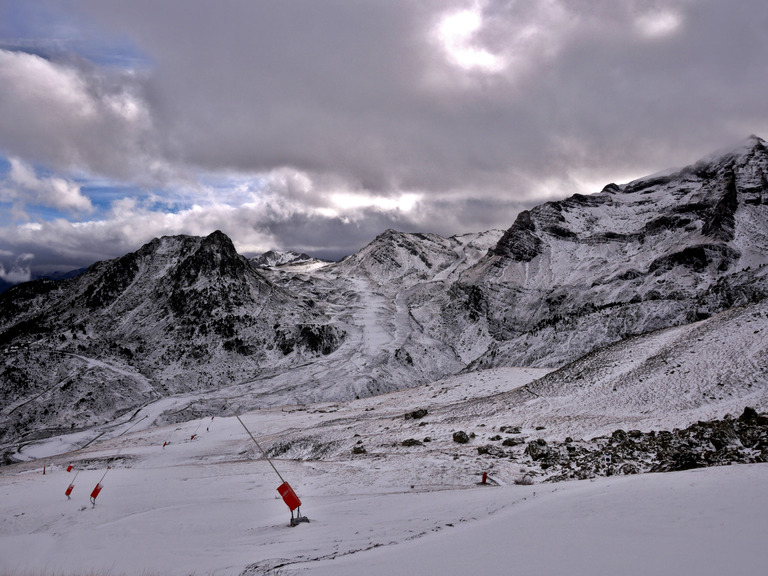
71, 486
286, 492
260, 448
131, 426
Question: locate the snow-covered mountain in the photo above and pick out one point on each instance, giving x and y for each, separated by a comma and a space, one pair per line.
384, 388
181, 314
188, 326
274, 258
572, 276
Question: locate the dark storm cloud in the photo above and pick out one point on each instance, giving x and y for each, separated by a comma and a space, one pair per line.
364, 90
477, 108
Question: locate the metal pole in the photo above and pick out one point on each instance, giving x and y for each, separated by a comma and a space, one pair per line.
131, 426
259, 446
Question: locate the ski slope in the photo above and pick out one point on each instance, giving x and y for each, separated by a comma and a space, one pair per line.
210, 505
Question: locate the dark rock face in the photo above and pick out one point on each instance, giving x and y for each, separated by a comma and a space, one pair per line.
318, 339
721, 225
537, 449
520, 242
471, 300
697, 258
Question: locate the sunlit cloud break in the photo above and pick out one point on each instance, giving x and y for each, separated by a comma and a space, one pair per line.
456, 33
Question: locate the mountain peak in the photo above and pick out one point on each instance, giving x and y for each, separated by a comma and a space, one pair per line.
745, 147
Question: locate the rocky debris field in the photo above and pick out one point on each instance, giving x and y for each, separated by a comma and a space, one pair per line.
741, 440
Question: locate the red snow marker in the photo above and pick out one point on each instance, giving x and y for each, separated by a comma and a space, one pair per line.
285, 490
69, 468
71, 484
485, 477
289, 496
95, 493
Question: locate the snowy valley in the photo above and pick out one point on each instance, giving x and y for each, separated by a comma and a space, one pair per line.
598, 338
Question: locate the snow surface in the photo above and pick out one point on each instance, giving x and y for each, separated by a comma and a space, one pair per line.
210, 506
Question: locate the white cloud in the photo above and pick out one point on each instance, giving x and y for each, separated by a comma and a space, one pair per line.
19, 271
78, 118
50, 191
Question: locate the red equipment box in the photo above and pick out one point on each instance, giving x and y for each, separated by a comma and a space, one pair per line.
289, 496
96, 491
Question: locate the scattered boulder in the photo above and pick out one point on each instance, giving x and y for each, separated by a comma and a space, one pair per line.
491, 450
702, 444
513, 441
629, 468
619, 435
460, 437
750, 415
416, 414
411, 442
537, 449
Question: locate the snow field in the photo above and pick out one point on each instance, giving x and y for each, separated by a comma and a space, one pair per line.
210, 505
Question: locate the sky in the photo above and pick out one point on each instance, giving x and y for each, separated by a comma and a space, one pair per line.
314, 125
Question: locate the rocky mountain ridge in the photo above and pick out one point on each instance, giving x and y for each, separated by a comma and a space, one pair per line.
187, 317
571, 276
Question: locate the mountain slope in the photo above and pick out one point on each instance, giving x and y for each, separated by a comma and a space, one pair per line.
181, 314
187, 326
572, 276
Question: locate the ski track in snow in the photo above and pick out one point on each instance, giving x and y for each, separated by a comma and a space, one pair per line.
372, 315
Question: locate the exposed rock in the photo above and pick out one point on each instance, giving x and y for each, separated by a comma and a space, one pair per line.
460, 437
513, 441
703, 444
537, 449
411, 442
492, 450
415, 414
520, 242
